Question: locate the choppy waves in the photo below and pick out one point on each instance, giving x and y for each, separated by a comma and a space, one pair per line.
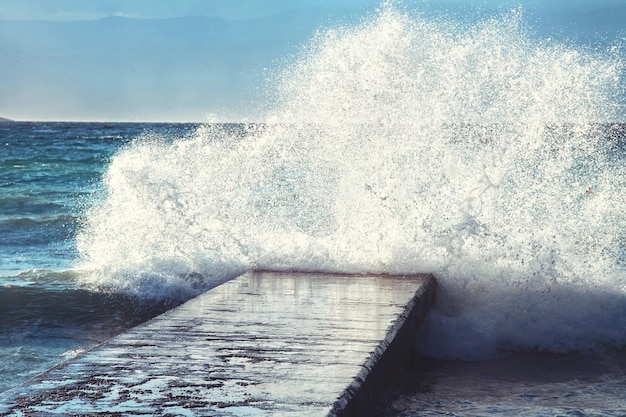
403, 144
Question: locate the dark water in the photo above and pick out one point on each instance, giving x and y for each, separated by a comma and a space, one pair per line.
51, 173
48, 175
44, 323
519, 384
364, 164
47, 170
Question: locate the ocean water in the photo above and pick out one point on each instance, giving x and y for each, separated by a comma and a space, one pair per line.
520, 384
478, 152
49, 173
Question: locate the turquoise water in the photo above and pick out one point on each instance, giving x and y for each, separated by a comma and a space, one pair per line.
46, 170
49, 173
52, 174
473, 151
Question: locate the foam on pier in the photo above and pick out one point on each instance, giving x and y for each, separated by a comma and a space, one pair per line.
301, 344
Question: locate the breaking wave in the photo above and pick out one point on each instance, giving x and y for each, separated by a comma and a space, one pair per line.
402, 144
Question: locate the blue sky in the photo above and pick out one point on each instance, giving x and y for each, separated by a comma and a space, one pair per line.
67, 10
182, 60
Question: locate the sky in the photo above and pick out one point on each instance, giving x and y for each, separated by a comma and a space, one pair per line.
68, 10
191, 60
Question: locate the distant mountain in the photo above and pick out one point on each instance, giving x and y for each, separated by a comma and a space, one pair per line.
2, 119
120, 68
124, 68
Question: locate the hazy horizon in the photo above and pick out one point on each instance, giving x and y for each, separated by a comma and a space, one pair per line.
113, 60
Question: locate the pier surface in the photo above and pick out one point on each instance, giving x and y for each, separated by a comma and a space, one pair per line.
265, 343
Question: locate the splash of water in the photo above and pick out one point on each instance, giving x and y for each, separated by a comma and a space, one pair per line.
400, 145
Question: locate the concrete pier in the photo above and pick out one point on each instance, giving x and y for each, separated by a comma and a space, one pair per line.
265, 343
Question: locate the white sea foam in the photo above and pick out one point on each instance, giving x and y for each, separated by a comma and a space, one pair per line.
400, 145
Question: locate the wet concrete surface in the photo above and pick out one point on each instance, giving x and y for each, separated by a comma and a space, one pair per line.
265, 343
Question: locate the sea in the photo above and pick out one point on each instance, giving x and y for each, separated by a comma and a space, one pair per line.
48, 175
477, 152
